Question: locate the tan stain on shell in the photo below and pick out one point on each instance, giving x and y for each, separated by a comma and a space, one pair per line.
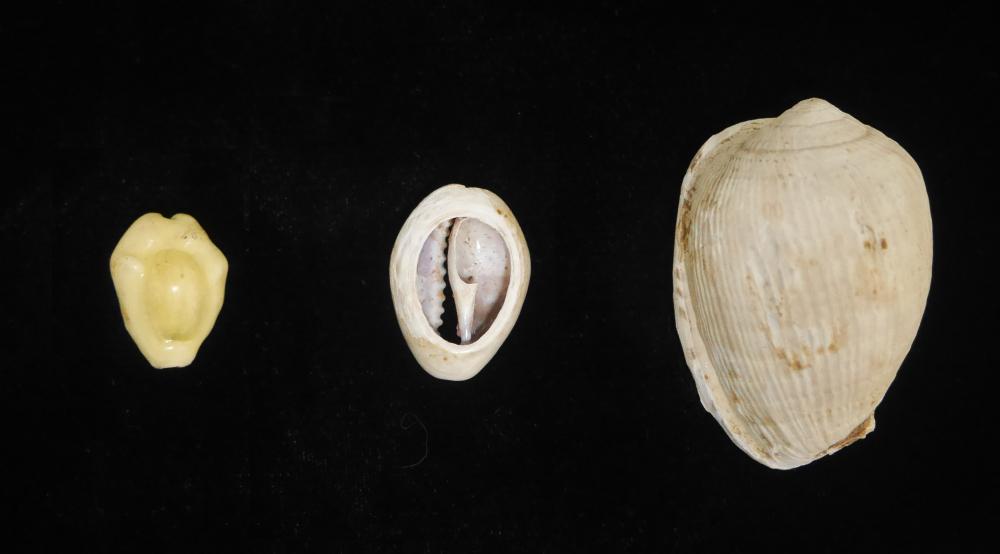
855, 435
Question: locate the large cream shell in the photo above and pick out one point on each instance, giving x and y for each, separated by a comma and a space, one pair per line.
440, 358
170, 280
802, 264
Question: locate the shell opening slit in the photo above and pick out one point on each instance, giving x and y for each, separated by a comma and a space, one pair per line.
463, 274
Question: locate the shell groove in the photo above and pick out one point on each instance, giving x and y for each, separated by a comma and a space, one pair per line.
802, 264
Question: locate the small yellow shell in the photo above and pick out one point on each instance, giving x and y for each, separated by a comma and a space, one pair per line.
170, 280
802, 264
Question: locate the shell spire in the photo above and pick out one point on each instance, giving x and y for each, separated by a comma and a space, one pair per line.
812, 123
810, 111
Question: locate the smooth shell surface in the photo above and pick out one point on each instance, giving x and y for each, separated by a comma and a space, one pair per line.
170, 280
469, 236
802, 264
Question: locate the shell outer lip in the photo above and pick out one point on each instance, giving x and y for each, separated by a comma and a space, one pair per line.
151, 233
684, 316
438, 357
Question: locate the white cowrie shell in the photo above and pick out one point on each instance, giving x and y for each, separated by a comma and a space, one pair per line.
488, 268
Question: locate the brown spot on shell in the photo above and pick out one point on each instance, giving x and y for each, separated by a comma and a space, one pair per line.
684, 226
835, 342
868, 245
884, 244
790, 359
857, 433
838, 338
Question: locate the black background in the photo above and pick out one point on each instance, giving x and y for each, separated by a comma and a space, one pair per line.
301, 140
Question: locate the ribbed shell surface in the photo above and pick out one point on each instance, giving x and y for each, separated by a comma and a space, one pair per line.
802, 264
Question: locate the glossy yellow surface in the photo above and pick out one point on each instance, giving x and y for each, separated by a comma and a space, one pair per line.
171, 282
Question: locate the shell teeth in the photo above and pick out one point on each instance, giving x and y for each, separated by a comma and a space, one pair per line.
430, 274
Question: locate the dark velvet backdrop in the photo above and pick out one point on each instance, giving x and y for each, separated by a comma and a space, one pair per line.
301, 140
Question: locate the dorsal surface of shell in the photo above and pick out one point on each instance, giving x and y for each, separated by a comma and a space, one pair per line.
802, 264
